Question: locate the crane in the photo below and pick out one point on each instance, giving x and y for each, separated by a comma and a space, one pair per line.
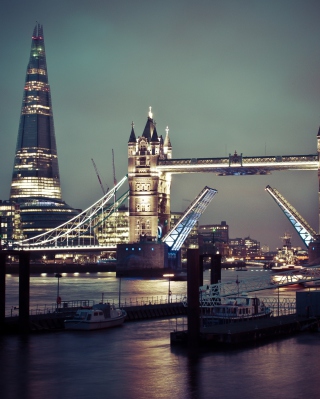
114, 170
97, 173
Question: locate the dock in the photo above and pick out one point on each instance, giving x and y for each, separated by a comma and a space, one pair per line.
53, 322
252, 331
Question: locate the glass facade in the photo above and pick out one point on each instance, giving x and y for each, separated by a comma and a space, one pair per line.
10, 225
36, 171
115, 229
35, 186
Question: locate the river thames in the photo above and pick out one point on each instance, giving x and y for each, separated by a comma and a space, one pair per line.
136, 361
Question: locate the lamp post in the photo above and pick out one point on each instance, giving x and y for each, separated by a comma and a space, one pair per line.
169, 292
120, 275
58, 276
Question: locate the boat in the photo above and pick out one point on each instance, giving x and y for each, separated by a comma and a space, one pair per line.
286, 268
241, 269
234, 309
96, 317
286, 259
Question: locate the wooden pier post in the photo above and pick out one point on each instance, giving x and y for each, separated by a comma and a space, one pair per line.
193, 284
2, 289
215, 269
24, 291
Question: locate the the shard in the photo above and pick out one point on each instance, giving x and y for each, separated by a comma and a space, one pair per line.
35, 186
36, 171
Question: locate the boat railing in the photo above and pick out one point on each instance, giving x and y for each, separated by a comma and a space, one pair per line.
282, 306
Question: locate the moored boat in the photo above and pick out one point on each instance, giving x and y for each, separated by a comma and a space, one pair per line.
97, 317
286, 268
232, 309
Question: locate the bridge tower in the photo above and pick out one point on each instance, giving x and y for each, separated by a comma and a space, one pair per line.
149, 188
318, 151
314, 247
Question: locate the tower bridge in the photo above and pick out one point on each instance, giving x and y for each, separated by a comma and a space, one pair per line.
36, 181
151, 166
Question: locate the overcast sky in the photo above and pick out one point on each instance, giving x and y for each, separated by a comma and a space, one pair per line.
223, 75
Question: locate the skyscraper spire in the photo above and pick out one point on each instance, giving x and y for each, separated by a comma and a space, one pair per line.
36, 171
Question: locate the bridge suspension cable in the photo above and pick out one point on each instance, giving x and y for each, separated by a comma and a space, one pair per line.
68, 233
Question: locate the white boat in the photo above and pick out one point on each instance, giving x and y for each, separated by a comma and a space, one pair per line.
286, 268
232, 309
97, 317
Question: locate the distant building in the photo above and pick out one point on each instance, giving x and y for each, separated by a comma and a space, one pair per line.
114, 230
214, 238
10, 223
244, 247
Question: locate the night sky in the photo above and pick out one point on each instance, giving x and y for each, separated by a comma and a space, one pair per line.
223, 75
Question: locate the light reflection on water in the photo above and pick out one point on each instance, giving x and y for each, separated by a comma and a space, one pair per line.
98, 286
136, 361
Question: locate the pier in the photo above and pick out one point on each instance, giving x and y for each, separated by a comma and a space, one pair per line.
248, 332
53, 322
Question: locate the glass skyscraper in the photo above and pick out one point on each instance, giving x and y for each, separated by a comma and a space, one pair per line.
36, 171
35, 181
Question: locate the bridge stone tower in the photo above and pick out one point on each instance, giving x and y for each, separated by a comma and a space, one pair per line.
149, 200
314, 247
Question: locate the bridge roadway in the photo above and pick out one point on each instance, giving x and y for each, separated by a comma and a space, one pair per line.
238, 165
59, 249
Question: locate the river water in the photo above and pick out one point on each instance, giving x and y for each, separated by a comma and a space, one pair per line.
135, 361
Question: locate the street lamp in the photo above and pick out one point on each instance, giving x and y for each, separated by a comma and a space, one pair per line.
120, 275
169, 292
58, 276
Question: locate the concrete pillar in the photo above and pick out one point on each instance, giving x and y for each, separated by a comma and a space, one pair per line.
201, 258
314, 252
24, 291
2, 289
193, 299
215, 269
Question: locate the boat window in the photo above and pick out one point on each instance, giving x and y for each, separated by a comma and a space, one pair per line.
89, 316
96, 313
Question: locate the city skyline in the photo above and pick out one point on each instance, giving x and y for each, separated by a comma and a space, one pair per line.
224, 78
